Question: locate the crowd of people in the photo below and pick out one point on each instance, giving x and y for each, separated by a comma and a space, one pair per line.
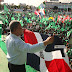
45, 25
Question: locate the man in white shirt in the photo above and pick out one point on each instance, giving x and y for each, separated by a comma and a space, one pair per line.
17, 49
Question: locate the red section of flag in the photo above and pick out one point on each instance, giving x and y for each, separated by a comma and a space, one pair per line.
30, 37
36, 12
57, 65
58, 18
70, 18
67, 17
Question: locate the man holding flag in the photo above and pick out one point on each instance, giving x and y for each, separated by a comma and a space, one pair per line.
17, 49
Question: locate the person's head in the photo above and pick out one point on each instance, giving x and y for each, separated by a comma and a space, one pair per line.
15, 27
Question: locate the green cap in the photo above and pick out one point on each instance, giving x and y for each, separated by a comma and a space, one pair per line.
66, 40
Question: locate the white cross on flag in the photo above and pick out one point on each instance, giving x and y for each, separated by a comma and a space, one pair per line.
52, 59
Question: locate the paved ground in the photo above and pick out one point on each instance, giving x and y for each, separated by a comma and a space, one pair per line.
3, 62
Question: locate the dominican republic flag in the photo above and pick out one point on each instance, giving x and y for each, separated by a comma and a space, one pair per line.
37, 13
40, 10
52, 59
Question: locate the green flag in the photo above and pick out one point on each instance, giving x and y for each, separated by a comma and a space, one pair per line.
62, 29
18, 18
41, 20
45, 23
7, 22
56, 19
21, 22
26, 18
0, 32
12, 18
69, 32
48, 27
5, 8
39, 7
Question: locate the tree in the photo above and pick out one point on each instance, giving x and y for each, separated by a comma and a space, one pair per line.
55, 8
69, 9
0, 6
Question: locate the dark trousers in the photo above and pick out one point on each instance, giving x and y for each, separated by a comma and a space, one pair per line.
16, 68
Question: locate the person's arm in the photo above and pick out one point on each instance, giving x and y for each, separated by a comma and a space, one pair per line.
21, 46
49, 40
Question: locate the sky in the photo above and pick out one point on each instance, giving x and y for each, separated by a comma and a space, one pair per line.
30, 2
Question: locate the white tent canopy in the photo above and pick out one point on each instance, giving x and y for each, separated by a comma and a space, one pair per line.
62, 1
27, 2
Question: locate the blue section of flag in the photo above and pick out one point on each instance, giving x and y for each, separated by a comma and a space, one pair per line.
33, 60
